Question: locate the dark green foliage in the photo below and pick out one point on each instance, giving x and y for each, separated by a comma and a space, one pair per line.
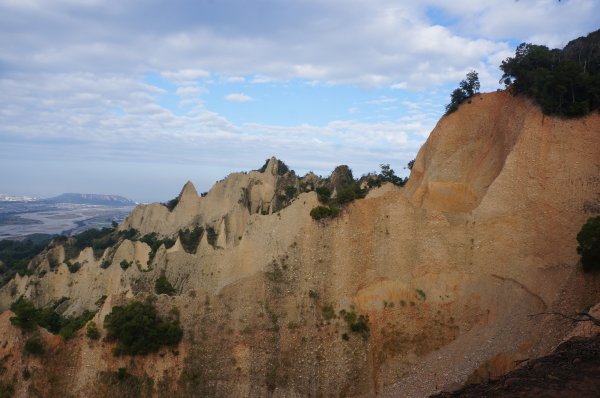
92, 331
357, 323
105, 264
34, 346
321, 212
211, 236
388, 175
328, 312
589, 244
125, 264
155, 243
16, 255
98, 239
563, 82
421, 295
163, 286
73, 324
290, 192
410, 164
49, 319
467, 88
28, 317
130, 234
324, 194
138, 330
74, 267
191, 238
349, 194
171, 204
25, 314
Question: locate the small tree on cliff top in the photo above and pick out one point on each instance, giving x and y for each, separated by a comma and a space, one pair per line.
467, 88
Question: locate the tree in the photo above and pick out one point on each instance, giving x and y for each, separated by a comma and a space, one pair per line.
467, 88
163, 286
470, 85
563, 82
589, 244
389, 175
138, 329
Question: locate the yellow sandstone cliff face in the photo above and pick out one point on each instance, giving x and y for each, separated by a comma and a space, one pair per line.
448, 270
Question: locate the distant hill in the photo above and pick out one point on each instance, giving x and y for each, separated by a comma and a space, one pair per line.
91, 199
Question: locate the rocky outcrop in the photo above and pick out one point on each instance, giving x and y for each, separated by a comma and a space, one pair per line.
448, 269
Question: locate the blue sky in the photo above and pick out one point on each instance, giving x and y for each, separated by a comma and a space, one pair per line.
136, 97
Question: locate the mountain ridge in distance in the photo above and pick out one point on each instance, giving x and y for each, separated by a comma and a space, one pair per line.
91, 199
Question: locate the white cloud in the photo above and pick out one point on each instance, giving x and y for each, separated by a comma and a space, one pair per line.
235, 79
186, 75
399, 86
238, 97
189, 90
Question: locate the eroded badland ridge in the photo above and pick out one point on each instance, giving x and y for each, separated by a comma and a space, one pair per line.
447, 269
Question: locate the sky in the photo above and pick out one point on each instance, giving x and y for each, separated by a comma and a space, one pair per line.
135, 97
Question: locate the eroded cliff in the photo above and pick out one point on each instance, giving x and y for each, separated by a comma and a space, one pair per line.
447, 269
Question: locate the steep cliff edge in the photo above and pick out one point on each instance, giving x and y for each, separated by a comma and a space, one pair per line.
447, 269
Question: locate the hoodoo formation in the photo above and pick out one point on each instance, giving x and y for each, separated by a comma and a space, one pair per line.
406, 292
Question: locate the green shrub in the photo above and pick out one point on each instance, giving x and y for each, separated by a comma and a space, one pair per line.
163, 286
171, 204
138, 330
72, 324
74, 267
125, 264
26, 315
324, 194
92, 331
155, 243
321, 212
129, 234
191, 238
211, 236
421, 295
388, 175
34, 346
589, 244
328, 312
357, 323
16, 255
98, 239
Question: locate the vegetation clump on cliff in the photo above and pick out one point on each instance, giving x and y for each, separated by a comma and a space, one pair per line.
163, 286
563, 82
138, 330
28, 317
467, 88
191, 238
589, 244
16, 255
